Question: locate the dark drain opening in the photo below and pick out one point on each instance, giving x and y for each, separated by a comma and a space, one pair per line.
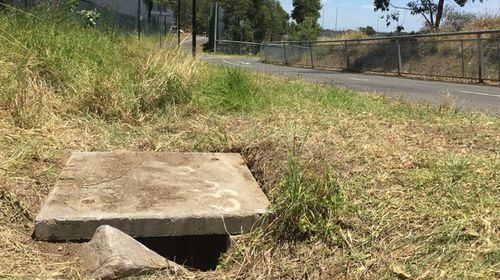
200, 252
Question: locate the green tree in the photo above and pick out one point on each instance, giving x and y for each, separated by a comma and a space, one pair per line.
308, 30
250, 20
369, 30
254, 20
280, 26
236, 21
202, 10
431, 11
262, 25
269, 20
304, 9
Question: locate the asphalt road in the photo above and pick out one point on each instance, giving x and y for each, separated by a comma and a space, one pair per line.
465, 96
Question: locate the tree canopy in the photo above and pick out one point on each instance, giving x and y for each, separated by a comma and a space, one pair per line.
431, 11
304, 9
368, 30
249, 20
254, 20
306, 14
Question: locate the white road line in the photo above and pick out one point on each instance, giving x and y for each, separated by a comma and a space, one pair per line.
479, 93
236, 64
359, 79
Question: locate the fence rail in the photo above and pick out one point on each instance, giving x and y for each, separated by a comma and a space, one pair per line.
463, 55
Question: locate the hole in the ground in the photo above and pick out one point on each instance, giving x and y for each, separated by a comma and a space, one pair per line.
200, 252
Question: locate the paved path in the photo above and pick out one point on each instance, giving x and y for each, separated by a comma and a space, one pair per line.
466, 97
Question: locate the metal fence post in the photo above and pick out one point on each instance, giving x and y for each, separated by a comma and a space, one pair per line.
311, 53
498, 59
400, 60
340, 50
139, 19
347, 56
480, 58
265, 51
178, 22
284, 53
463, 58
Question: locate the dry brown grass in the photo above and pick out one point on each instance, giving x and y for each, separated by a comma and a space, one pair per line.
385, 162
421, 184
485, 22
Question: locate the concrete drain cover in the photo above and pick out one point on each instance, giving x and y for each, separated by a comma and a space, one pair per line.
151, 195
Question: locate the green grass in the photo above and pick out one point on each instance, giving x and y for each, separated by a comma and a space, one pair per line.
305, 208
50, 58
233, 90
362, 186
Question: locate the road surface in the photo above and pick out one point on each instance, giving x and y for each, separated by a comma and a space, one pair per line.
465, 96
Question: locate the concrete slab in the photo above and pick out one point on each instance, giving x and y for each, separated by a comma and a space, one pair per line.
151, 195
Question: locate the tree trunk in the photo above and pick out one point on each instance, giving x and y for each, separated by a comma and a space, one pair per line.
439, 14
431, 14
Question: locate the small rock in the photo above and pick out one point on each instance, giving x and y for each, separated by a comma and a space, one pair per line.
60, 248
112, 254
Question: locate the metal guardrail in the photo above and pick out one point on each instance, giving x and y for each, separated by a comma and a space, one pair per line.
465, 55
238, 47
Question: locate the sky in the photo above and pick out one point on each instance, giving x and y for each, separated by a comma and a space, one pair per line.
359, 13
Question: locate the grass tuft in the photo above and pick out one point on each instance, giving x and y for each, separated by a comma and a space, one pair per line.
233, 90
306, 208
12, 208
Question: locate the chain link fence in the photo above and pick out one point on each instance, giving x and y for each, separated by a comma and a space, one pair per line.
461, 55
238, 48
134, 16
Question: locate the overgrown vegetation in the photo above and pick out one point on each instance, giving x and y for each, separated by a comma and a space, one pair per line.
380, 188
306, 208
44, 72
232, 90
431, 11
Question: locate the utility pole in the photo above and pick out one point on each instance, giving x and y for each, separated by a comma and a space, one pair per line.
194, 28
139, 19
336, 18
323, 18
160, 23
216, 16
242, 24
178, 22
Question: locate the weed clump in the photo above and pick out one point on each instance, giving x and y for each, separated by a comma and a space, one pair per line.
306, 208
233, 90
